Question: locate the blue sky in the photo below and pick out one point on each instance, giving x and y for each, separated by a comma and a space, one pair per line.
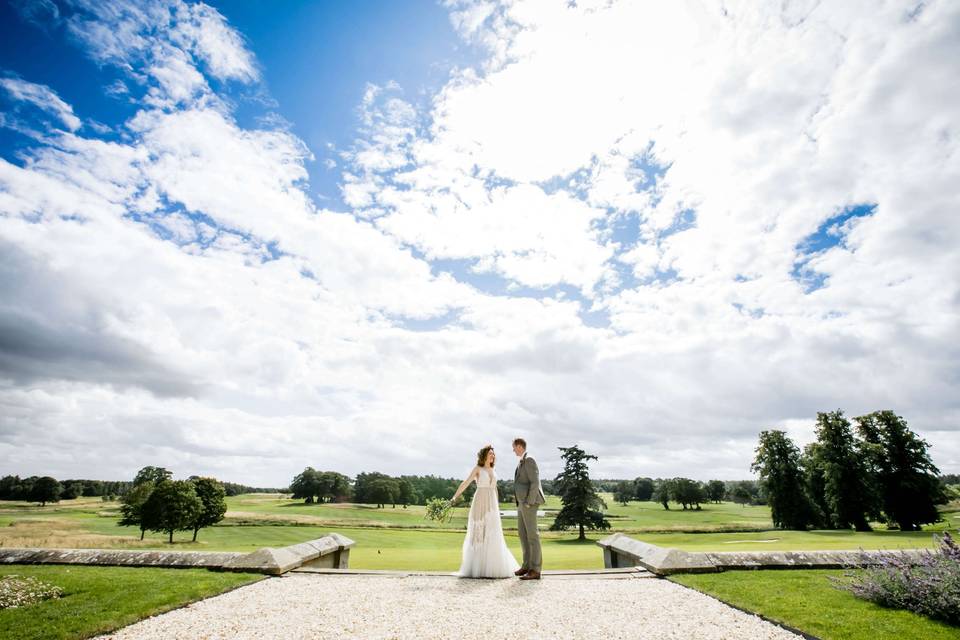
317, 59
241, 238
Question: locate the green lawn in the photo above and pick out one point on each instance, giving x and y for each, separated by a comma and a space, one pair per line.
806, 600
100, 599
401, 538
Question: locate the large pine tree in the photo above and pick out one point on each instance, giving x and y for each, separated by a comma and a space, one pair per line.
582, 507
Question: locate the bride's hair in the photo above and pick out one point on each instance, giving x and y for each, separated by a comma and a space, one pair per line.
482, 456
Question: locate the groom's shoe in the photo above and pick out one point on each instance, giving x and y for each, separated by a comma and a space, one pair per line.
520, 572
531, 575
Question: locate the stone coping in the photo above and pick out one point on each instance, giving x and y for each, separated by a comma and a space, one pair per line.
620, 550
334, 548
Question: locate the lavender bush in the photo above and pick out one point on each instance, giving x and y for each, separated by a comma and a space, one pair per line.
928, 584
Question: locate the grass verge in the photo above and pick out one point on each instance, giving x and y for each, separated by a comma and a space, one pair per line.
101, 599
806, 600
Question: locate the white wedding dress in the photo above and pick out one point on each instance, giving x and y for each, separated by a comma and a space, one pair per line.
485, 552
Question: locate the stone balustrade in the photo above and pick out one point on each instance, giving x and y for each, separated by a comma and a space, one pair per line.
620, 551
331, 551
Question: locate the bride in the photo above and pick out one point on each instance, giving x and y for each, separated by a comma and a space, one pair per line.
485, 552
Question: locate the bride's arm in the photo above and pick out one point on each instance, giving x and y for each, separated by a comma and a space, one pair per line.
466, 483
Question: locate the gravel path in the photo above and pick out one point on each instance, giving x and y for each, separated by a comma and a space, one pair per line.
421, 607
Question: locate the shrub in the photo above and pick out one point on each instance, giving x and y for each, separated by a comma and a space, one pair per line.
18, 591
928, 585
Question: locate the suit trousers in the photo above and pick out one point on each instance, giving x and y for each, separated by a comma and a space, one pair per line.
529, 537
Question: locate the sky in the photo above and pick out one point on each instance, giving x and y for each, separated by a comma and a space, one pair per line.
238, 239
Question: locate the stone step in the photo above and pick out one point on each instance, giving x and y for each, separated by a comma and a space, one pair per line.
592, 574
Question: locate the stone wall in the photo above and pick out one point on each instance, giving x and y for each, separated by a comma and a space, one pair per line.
620, 550
330, 551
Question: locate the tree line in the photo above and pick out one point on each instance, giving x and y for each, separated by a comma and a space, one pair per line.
689, 494
158, 503
876, 469
44, 489
380, 489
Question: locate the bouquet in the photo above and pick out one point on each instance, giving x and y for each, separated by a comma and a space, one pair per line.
439, 509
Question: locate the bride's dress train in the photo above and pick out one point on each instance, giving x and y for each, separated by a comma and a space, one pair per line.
485, 552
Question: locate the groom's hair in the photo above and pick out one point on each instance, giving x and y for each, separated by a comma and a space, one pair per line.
520, 441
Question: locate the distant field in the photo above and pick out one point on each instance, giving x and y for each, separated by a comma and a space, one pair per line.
401, 538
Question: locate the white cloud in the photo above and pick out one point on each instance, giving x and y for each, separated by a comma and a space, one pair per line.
181, 296
42, 97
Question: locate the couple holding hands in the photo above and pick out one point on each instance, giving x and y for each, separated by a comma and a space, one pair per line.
485, 552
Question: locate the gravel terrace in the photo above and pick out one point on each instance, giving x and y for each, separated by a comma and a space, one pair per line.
421, 607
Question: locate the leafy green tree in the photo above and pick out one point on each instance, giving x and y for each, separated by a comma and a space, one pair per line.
214, 500
689, 493
46, 489
662, 492
582, 506
131, 507
716, 491
306, 485
905, 474
643, 489
778, 464
11, 488
173, 505
624, 492
849, 494
156, 475
815, 484
333, 485
405, 493
743, 492
384, 490
72, 489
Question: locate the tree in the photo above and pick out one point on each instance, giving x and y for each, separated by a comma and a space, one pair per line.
778, 464
306, 485
904, 472
624, 492
643, 489
46, 489
72, 489
849, 495
405, 492
156, 475
815, 485
213, 498
384, 490
716, 491
661, 492
741, 493
333, 485
687, 492
173, 505
131, 507
581, 503
11, 488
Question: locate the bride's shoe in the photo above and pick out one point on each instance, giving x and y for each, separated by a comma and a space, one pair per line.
520, 572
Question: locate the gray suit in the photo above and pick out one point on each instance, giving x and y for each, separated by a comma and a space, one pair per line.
528, 494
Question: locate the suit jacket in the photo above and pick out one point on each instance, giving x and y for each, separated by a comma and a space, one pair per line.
526, 483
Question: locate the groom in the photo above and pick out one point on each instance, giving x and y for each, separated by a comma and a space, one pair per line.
528, 495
